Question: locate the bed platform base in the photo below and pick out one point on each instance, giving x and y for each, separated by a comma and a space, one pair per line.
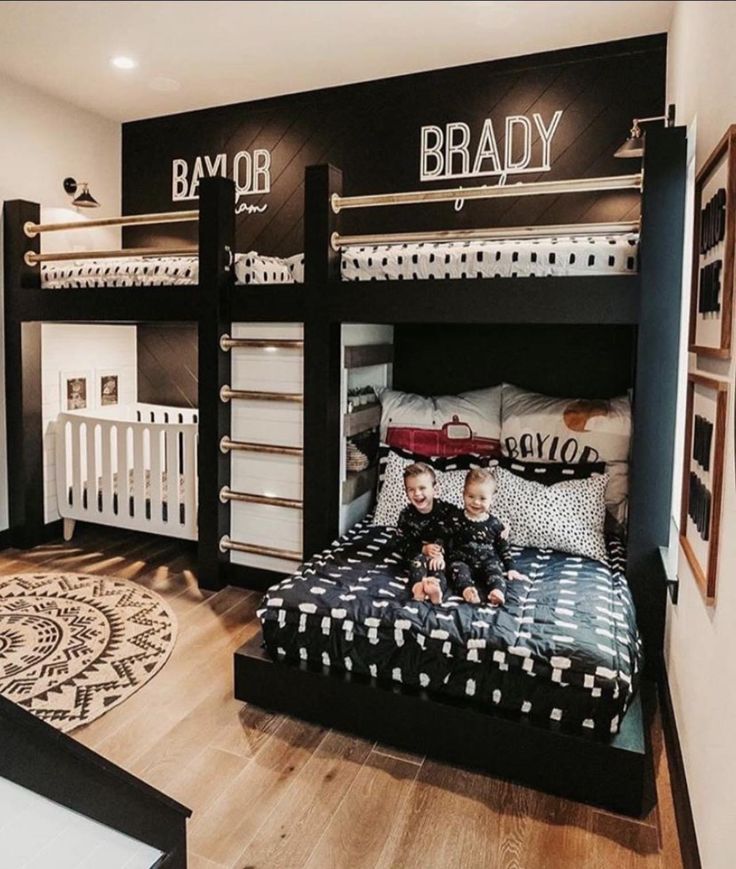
615, 775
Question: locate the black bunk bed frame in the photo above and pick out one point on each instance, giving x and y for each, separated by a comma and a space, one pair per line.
613, 774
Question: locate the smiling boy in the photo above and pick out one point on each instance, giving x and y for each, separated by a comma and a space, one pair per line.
423, 533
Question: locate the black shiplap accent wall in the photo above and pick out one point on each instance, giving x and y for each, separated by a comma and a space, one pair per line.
167, 364
371, 131
580, 361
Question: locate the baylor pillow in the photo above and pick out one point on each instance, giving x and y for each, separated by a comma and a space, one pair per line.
444, 425
540, 428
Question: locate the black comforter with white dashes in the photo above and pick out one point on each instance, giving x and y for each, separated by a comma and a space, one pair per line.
564, 648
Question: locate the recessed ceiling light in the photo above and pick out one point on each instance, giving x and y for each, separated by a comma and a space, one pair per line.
122, 62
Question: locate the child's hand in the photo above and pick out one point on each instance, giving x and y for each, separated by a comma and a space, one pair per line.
506, 533
432, 550
496, 597
437, 562
514, 574
470, 594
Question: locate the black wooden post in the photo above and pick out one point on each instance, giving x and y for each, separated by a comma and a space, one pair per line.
22, 381
321, 361
216, 238
655, 393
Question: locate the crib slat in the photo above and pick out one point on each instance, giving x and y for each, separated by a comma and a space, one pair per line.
122, 471
77, 484
190, 478
92, 481
156, 449
106, 471
172, 477
139, 472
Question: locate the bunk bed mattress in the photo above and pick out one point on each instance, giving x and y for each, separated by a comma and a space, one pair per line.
507, 258
250, 268
563, 650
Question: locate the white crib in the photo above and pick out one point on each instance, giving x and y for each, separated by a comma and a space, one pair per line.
132, 467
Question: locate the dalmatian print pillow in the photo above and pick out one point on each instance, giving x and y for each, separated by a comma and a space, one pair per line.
392, 498
566, 516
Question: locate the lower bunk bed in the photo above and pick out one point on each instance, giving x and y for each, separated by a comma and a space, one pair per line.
542, 691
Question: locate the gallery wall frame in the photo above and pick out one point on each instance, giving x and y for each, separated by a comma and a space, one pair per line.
702, 479
76, 390
714, 238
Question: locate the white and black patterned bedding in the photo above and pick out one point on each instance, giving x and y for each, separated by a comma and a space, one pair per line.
579, 255
564, 649
250, 268
507, 258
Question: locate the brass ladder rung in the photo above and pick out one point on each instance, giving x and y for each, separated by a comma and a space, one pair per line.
228, 445
269, 551
228, 343
227, 494
226, 394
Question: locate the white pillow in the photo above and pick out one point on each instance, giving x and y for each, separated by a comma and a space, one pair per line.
442, 425
392, 498
567, 516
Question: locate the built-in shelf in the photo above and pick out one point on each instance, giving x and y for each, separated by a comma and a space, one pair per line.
363, 355
358, 483
366, 418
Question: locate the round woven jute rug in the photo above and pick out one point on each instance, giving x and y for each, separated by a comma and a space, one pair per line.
73, 646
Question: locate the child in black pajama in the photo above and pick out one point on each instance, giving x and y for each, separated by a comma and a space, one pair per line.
423, 532
480, 557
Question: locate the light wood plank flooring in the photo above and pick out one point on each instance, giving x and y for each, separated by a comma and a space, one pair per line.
271, 792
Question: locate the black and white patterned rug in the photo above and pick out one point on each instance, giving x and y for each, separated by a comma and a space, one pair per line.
73, 646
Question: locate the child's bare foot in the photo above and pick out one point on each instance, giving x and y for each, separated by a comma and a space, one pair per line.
417, 591
497, 598
470, 594
433, 590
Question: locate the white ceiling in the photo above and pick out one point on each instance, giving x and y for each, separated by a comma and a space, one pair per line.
193, 54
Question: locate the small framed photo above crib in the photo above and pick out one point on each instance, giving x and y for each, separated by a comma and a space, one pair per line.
702, 484
108, 388
714, 237
76, 391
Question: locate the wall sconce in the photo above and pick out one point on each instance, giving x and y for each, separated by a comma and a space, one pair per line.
634, 145
80, 191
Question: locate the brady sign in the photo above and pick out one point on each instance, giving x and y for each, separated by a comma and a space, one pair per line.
455, 151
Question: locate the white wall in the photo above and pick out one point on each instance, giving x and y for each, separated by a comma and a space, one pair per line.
74, 351
44, 140
699, 643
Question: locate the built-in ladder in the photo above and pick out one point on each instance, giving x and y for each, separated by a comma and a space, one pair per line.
264, 444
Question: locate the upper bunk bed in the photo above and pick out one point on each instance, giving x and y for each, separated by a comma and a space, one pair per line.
601, 257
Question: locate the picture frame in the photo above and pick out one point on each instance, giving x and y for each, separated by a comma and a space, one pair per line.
76, 391
714, 238
107, 386
702, 483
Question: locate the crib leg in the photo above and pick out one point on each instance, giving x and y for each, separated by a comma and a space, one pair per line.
69, 528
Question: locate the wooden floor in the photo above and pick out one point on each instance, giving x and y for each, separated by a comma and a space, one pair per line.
270, 791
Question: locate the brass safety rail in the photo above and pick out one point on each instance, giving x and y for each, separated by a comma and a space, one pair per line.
32, 259
535, 188
507, 233
33, 229
227, 494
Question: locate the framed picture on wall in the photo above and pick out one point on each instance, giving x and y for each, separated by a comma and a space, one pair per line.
702, 484
714, 236
108, 388
76, 390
